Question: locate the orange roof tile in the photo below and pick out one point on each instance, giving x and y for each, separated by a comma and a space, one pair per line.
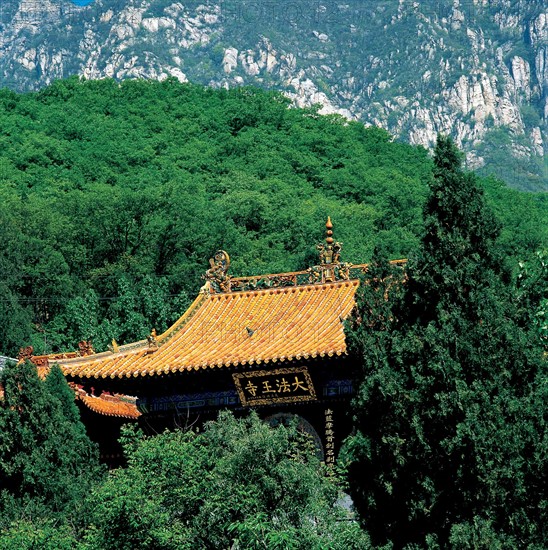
119, 405
235, 328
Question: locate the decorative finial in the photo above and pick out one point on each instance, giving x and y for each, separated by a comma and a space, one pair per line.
217, 274
85, 348
25, 354
152, 339
329, 231
331, 251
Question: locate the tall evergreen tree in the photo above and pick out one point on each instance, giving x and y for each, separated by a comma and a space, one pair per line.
47, 462
450, 426
56, 384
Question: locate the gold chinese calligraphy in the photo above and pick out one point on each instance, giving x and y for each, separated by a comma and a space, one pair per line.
274, 386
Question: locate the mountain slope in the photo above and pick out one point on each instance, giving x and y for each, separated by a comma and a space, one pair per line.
477, 70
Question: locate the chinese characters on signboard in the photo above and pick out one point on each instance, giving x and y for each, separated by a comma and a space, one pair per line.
329, 439
275, 386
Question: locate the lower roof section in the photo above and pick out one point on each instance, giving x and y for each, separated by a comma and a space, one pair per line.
234, 328
121, 406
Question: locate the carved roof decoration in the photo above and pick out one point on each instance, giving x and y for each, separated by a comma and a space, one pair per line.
217, 278
43, 362
236, 321
122, 406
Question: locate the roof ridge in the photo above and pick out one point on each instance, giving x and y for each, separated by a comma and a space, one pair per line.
318, 274
279, 289
183, 320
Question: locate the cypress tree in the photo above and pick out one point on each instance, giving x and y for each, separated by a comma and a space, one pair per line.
449, 417
47, 462
56, 385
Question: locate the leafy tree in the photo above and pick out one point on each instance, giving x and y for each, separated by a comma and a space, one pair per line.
449, 416
15, 318
38, 535
15, 321
239, 484
47, 462
135, 308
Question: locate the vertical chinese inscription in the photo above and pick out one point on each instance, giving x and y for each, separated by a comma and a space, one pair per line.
329, 439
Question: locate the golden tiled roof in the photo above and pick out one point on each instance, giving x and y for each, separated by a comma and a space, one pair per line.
235, 328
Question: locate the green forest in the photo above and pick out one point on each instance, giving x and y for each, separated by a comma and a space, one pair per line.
114, 196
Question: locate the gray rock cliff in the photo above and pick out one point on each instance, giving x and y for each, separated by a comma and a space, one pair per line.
475, 69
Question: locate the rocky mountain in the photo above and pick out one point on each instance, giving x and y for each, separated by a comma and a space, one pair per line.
476, 69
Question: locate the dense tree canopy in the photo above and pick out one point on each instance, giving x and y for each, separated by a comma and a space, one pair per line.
450, 412
114, 196
239, 484
47, 462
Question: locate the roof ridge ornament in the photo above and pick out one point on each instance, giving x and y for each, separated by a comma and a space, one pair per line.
152, 340
330, 269
85, 348
217, 275
330, 252
25, 354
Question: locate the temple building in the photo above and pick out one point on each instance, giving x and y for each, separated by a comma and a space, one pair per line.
274, 343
